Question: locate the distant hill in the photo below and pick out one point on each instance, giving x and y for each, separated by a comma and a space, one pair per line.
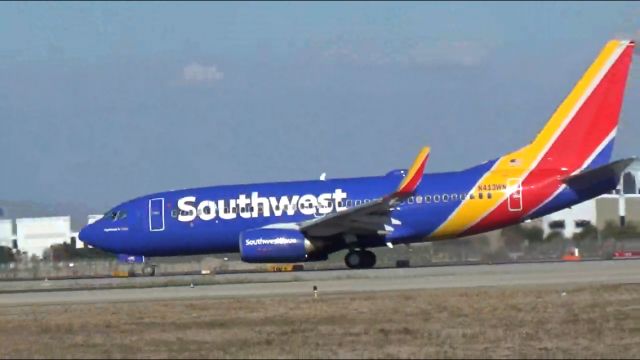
20, 209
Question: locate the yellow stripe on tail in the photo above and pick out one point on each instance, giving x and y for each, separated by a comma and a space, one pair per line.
414, 175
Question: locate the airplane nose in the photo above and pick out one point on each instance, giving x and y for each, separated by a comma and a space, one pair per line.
88, 235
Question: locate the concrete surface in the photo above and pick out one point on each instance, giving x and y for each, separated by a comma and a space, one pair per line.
301, 283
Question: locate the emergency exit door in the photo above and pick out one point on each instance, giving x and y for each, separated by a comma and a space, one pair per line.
156, 214
514, 201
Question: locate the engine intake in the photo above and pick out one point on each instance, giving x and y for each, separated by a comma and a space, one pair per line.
274, 245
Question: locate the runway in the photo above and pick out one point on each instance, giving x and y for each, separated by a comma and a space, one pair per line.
333, 282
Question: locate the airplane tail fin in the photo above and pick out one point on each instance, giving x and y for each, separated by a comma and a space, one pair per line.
581, 132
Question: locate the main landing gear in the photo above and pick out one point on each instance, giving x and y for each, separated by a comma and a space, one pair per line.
148, 270
360, 259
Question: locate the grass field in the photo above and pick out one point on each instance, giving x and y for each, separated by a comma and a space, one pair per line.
594, 321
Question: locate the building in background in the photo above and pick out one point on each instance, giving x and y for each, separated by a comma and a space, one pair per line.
93, 218
571, 220
7, 238
34, 235
619, 206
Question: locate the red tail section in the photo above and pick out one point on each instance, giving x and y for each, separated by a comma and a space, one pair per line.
579, 135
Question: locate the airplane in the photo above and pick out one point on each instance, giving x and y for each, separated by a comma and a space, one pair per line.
567, 163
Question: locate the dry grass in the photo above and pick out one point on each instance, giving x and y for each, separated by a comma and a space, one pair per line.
596, 321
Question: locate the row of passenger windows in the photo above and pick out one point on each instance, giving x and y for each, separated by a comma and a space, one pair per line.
418, 199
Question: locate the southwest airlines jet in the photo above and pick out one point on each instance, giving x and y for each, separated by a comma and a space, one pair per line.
568, 162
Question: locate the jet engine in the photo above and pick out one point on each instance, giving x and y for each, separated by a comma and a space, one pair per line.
274, 245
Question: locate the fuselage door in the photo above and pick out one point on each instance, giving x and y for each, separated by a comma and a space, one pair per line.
514, 202
156, 214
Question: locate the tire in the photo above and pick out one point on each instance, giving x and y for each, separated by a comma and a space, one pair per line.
148, 270
353, 259
362, 259
369, 259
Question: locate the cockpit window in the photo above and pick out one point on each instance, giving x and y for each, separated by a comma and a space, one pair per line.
115, 215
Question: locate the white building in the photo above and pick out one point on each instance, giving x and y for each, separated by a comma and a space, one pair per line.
34, 235
93, 218
6, 232
571, 220
620, 206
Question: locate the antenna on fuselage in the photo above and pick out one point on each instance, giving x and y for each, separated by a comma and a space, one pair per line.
323, 176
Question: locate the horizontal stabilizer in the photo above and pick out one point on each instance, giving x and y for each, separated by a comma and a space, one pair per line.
602, 173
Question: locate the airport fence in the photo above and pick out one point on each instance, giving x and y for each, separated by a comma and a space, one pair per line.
454, 252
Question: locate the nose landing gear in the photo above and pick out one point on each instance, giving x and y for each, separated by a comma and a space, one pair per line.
360, 259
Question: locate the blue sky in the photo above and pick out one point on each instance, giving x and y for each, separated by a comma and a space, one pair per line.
101, 102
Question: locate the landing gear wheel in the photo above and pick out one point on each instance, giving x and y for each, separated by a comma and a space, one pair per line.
370, 259
149, 270
361, 259
353, 259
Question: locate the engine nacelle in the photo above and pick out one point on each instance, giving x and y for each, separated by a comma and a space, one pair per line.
274, 245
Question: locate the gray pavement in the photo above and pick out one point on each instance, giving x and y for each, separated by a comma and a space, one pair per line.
301, 283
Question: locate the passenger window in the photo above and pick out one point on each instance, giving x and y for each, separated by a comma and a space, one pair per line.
427, 198
463, 196
488, 195
436, 198
445, 197
479, 196
357, 202
174, 213
410, 200
349, 202
419, 199
454, 197
472, 196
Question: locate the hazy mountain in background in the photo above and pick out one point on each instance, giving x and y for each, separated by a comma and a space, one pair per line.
22, 209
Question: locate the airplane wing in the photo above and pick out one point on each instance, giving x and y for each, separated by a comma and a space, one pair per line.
372, 217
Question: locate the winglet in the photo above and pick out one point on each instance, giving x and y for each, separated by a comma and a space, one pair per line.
414, 175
